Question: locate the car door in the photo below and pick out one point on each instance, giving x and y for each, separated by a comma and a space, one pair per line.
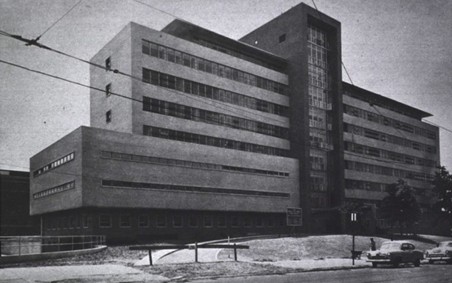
407, 252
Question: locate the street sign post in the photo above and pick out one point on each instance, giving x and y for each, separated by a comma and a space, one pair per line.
353, 220
294, 216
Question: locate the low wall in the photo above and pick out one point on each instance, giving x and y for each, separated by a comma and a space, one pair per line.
45, 256
21, 245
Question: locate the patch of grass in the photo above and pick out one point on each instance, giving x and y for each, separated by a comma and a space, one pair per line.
314, 247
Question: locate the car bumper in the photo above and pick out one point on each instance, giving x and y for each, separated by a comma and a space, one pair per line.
443, 257
379, 260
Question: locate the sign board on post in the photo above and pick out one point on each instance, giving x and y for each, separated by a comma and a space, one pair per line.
294, 216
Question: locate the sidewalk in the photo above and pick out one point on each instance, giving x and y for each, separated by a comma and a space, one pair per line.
78, 273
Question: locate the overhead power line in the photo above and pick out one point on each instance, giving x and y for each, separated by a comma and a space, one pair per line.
157, 9
32, 42
65, 14
83, 85
439, 126
66, 80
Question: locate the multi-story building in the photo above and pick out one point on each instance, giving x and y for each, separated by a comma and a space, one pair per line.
195, 135
15, 219
385, 140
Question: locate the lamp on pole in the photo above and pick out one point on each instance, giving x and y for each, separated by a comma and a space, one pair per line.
353, 220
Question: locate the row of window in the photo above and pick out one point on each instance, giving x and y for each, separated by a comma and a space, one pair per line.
212, 141
180, 221
388, 171
317, 36
189, 164
373, 186
390, 106
317, 183
194, 88
319, 97
390, 155
178, 57
376, 118
318, 77
318, 201
181, 188
317, 55
364, 185
196, 114
234, 53
55, 190
68, 222
161, 221
357, 130
319, 139
317, 160
54, 164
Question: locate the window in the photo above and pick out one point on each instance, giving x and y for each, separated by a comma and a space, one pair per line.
259, 222
193, 221
282, 38
108, 116
161, 221
208, 221
108, 89
143, 221
177, 221
104, 221
108, 63
235, 221
247, 221
86, 220
221, 221
145, 47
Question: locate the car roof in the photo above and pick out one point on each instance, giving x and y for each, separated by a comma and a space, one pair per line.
398, 242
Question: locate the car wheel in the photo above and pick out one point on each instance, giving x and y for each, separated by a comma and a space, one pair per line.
431, 261
374, 264
417, 262
449, 261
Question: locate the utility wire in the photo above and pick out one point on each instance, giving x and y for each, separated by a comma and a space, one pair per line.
162, 11
319, 14
32, 42
99, 89
67, 80
348, 75
37, 38
439, 126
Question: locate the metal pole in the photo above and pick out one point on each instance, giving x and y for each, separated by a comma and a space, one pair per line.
353, 248
235, 252
150, 257
20, 245
196, 252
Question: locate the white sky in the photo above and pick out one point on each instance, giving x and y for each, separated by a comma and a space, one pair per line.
397, 48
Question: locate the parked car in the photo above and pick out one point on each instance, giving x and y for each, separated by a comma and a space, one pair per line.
441, 253
395, 253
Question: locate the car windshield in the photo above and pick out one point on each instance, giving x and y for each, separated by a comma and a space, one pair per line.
390, 246
445, 244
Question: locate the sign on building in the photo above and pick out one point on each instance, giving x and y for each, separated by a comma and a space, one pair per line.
294, 216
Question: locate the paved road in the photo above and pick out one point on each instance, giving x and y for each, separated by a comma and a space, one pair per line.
438, 273
77, 273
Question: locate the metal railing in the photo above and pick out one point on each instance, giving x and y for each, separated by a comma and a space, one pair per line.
22, 245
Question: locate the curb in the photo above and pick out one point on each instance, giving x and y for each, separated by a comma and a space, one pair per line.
183, 279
